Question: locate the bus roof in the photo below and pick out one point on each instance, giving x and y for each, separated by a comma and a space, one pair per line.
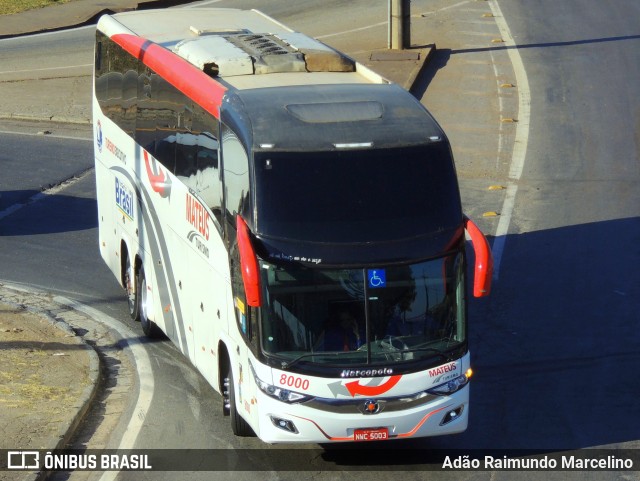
236, 46
327, 117
278, 85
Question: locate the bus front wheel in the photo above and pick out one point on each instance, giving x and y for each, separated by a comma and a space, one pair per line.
238, 425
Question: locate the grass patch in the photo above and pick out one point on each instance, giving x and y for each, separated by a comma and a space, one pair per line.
8, 7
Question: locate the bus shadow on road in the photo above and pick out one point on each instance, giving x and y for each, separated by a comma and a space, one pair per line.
556, 347
29, 212
555, 350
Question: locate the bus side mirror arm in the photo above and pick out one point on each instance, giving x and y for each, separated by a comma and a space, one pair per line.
483, 271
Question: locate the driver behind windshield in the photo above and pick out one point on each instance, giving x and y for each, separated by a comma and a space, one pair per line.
341, 333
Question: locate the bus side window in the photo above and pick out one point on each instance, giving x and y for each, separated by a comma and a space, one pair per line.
165, 151
129, 99
235, 163
186, 145
116, 83
163, 124
145, 121
101, 68
206, 178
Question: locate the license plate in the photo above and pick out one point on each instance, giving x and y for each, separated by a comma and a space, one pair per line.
379, 434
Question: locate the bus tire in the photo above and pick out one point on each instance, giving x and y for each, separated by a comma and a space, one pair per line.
131, 287
148, 326
239, 426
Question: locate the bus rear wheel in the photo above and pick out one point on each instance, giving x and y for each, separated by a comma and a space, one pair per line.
131, 287
148, 326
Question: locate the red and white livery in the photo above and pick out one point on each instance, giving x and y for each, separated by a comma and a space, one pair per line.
290, 220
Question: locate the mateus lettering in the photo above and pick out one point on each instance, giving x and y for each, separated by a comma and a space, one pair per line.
442, 369
197, 216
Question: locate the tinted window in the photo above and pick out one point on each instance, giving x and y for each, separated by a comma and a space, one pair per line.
164, 121
236, 174
116, 83
357, 196
397, 313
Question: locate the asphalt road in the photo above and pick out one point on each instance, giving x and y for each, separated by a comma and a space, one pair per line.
556, 347
568, 297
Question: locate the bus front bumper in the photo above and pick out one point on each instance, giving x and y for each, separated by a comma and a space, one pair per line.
298, 423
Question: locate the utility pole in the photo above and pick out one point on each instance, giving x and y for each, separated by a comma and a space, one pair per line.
399, 35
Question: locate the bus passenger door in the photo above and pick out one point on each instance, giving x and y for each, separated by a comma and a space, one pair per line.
209, 304
182, 285
208, 258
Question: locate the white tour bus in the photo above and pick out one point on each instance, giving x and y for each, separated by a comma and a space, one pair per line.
290, 220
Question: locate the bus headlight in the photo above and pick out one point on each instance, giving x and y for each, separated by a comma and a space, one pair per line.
284, 395
450, 386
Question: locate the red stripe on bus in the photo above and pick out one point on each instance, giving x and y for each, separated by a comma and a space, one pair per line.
187, 78
400, 435
422, 421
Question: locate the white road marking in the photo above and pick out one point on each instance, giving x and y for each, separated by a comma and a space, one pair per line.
521, 138
46, 69
201, 4
500, 109
34, 35
386, 22
354, 30
455, 5
143, 367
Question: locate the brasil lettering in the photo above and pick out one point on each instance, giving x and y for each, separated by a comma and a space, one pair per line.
124, 199
197, 216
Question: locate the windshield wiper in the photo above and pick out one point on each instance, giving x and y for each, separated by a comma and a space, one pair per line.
398, 346
447, 356
288, 364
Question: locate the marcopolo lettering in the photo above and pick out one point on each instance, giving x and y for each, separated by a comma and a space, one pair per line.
383, 371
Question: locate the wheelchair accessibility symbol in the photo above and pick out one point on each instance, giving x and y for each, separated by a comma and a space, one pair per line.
377, 278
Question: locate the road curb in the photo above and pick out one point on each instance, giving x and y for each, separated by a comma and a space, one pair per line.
45, 118
68, 427
427, 53
87, 397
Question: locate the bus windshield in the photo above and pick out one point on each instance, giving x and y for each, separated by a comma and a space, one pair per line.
363, 316
347, 195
